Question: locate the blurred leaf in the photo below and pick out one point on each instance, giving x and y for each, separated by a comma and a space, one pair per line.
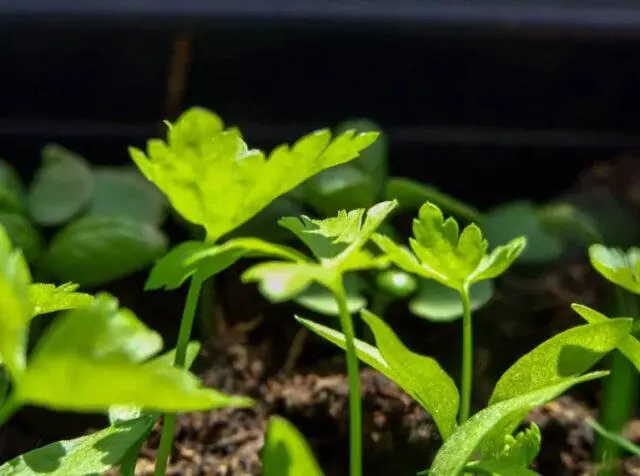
184, 260
319, 299
567, 222
508, 221
568, 354
212, 178
23, 235
396, 283
47, 298
286, 452
265, 223
95, 250
280, 281
619, 440
619, 267
420, 376
412, 195
12, 191
90, 368
488, 423
119, 192
439, 303
61, 188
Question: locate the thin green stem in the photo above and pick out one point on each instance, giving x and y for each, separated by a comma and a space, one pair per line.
8, 408
186, 325
353, 375
620, 394
467, 357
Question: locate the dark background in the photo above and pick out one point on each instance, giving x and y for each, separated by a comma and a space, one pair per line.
487, 100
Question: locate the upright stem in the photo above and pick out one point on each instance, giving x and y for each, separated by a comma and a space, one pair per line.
467, 356
353, 374
620, 394
186, 324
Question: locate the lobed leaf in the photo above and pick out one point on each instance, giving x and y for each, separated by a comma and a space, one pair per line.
619, 267
212, 178
493, 423
565, 355
47, 298
286, 452
522, 449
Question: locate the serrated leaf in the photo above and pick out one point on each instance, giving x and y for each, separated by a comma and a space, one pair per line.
95, 250
15, 309
411, 194
12, 191
286, 452
442, 253
23, 235
212, 178
493, 422
119, 192
439, 303
511, 220
320, 246
184, 260
73, 360
319, 299
564, 355
61, 188
522, 449
619, 267
629, 346
47, 298
420, 376
91, 454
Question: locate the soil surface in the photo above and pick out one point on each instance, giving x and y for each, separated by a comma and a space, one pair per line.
253, 341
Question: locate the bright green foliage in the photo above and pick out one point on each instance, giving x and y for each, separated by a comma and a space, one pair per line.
488, 427
492, 467
286, 452
619, 267
122, 191
23, 235
61, 188
420, 376
94, 250
514, 219
47, 298
619, 440
89, 368
568, 354
522, 449
184, 260
443, 253
439, 303
629, 346
11, 189
213, 179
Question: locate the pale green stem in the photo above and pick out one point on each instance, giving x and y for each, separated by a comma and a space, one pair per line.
467, 357
353, 375
186, 325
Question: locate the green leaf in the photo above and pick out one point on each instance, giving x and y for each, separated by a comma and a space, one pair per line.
439, 303
568, 222
619, 267
286, 452
95, 250
91, 454
320, 246
184, 260
121, 191
488, 423
511, 220
420, 376
565, 355
522, 449
61, 188
12, 191
212, 178
494, 467
412, 195
265, 223
319, 299
282, 281
89, 368
629, 346
15, 308
23, 235
47, 298
619, 440
443, 253
396, 283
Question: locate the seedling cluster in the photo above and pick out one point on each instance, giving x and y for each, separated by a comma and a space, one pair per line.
96, 356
